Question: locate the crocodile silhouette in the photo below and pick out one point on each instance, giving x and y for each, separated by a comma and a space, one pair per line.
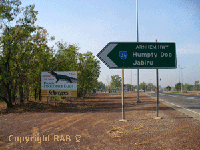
61, 77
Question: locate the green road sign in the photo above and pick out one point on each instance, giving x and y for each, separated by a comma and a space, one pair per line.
139, 55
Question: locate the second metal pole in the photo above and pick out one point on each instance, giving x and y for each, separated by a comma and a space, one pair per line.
157, 108
123, 113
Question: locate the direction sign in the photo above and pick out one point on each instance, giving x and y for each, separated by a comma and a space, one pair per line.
139, 55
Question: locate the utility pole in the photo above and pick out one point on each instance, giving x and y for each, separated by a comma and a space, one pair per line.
182, 79
138, 100
179, 72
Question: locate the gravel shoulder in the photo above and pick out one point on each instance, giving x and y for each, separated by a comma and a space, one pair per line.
93, 123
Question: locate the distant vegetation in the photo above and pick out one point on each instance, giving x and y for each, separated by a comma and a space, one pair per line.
187, 87
24, 54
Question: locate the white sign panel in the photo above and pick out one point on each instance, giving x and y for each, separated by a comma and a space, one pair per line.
59, 80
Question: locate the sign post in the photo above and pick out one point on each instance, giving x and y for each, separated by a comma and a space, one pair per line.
139, 55
123, 114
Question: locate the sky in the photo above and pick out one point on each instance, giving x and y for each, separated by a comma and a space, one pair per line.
91, 24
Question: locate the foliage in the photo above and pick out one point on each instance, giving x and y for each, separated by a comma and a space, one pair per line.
196, 85
100, 86
168, 88
150, 87
66, 57
142, 86
116, 82
128, 87
88, 73
9, 9
188, 87
24, 54
178, 86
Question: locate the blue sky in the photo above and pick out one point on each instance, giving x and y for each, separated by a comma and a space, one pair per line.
91, 24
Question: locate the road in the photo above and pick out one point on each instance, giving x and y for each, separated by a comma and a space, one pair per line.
188, 104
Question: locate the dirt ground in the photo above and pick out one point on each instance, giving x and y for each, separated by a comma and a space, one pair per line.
93, 123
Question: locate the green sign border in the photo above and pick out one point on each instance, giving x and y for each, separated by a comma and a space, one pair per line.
141, 43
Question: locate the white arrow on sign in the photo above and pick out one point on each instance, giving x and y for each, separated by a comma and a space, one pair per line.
103, 55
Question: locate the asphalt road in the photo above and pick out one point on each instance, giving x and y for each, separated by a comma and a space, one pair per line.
188, 104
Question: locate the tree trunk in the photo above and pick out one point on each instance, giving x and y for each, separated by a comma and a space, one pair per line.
14, 92
9, 101
21, 94
27, 93
40, 95
35, 93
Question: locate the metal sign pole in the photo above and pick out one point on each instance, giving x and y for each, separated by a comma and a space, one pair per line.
157, 107
123, 113
138, 100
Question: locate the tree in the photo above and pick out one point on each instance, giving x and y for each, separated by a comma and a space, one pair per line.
150, 86
178, 86
23, 51
66, 57
196, 85
142, 85
100, 86
168, 88
116, 82
24, 54
188, 87
88, 72
129, 87
134, 87
9, 9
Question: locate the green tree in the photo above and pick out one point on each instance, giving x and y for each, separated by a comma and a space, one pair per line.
24, 54
9, 9
188, 87
100, 86
66, 57
134, 87
150, 87
129, 87
168, 88
196, 85
178, 86
116, 82
142, 85
88, 73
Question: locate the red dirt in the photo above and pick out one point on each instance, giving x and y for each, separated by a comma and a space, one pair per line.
93, 123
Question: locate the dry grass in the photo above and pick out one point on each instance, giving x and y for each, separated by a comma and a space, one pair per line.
137, 128
116, 131
140, 144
